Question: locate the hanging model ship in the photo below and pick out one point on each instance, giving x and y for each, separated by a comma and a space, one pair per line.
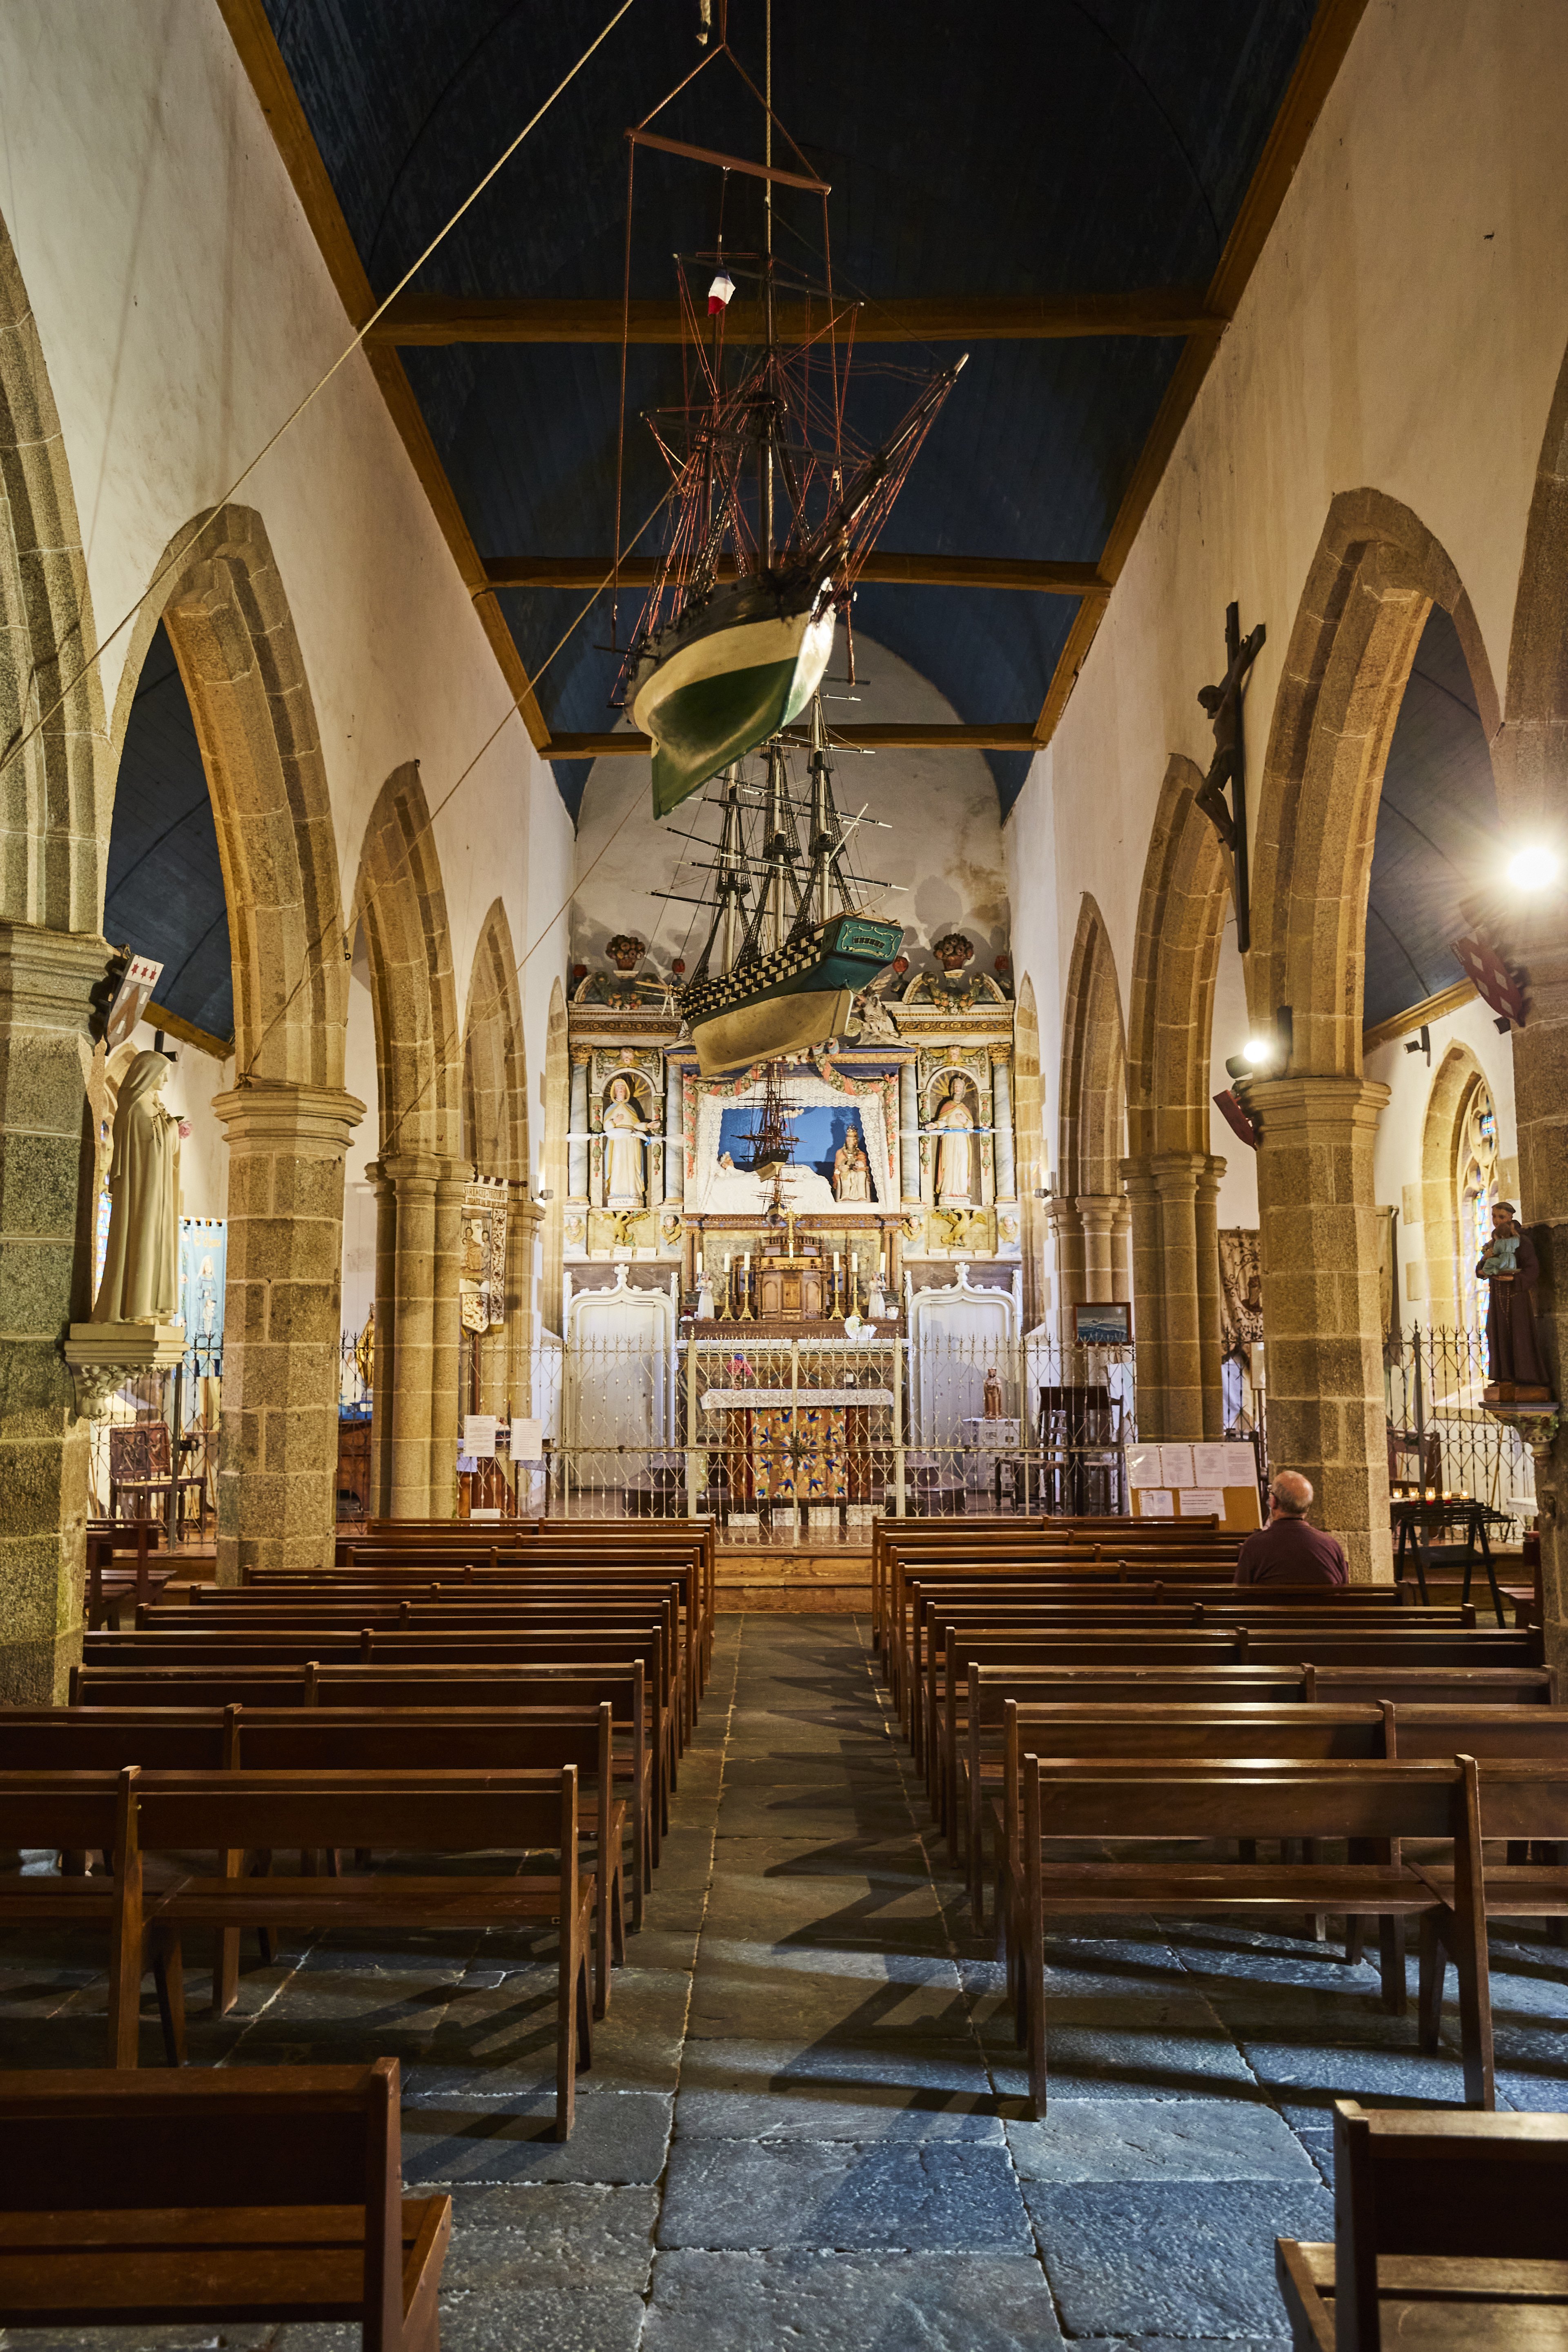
773, 509
789, 947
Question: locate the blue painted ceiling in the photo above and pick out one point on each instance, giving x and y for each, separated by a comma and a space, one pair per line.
165, 894
1436, 829
1034, 146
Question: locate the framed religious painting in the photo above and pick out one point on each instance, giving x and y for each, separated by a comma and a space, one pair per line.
1107, 1324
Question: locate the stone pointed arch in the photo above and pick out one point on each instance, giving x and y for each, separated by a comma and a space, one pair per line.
401, 901
221, 597
53, 822
1172, 1182
1454, 1085
1377, 573
1531, 762
495, 1143
54, 789
1091, 1207
495, 1071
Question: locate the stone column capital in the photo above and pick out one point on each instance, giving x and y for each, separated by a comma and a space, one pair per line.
1303, 1106
51, 974
1098, 1211
1210, 1176
1176, 1173
409, 1172
270, 1115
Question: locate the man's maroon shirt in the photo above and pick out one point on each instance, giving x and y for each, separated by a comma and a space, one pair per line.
1288, 1551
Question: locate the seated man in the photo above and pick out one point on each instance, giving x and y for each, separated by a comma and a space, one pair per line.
1288, 1551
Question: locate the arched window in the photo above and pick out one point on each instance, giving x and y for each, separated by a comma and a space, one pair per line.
1477, 1193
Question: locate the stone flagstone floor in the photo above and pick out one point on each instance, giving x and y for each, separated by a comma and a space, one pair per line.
801, 2126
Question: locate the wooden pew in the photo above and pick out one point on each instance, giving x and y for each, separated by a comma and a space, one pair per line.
359, 1741
1525, 1803
619, 1683
539, 1646
1373, 1803
1448, 2231
424, 1812
93, 1812
250, 2193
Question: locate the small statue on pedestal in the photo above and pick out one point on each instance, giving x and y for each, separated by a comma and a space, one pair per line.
1510, 1269
142, 1259
992, 1407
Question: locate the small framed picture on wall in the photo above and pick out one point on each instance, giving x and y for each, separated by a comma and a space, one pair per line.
1103, 1326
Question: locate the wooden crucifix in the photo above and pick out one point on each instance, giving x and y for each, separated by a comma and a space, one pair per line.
1229, 766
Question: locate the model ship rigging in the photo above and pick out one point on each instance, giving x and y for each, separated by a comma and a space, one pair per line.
773, 509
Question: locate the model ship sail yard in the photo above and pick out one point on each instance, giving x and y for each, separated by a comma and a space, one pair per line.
772, 511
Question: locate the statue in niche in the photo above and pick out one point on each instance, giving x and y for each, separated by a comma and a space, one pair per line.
142, 1260
624, 1132
851, 1171
955, 1123
1510, 1270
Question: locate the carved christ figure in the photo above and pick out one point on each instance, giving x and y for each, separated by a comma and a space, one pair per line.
624, 1132
1223, 704
142, 1260
955, 1123
851, 1170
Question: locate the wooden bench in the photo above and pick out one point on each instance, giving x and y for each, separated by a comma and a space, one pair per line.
251, 2193
1524, 1802
361, 1740
1369, 1803
93, 1813
1448, 2232
240, 1654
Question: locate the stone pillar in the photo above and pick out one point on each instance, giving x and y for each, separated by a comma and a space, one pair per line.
45, 1278
1176, 1178
1205, 1219
277, 1484
1098, 1219
908, 1132
1537, 941
1001, 1121
674, 1139
385, 1355
524, 1218
1321, 1306
408, 1378
1148, 1298
447, 1404
577, 1153
1067, 1232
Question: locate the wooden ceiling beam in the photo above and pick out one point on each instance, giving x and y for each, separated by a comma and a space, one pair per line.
880, 568
624, 743
1322, 54
1165, 311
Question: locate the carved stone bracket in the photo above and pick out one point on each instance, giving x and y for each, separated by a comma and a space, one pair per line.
103, 1356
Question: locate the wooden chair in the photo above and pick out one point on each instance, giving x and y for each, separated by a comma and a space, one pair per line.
141, 1469
251, 2193
1448, 2231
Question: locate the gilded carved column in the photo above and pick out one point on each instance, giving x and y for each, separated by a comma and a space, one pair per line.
577, 1152
45, 1278
1002, 1120
1205, 1218
277, 1484
908, 1132
1321, 1305
674, 1137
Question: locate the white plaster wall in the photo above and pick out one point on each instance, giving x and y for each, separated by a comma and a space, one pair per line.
184, 310
944, 851
1404, 330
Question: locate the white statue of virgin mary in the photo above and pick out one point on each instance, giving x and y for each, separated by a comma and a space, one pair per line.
141, 1262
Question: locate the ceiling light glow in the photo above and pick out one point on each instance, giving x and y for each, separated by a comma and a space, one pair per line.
1533, 867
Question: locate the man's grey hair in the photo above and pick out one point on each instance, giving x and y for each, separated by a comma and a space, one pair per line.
1291, 1491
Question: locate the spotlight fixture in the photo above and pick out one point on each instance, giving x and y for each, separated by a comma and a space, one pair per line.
1421, 1043
1257, 1051
1534, 868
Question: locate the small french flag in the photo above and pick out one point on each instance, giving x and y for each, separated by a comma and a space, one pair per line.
720, 293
